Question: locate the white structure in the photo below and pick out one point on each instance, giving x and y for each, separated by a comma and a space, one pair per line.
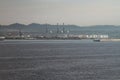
90, 36
62, 36
98, 36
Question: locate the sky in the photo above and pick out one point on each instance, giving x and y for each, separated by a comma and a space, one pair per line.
78, 12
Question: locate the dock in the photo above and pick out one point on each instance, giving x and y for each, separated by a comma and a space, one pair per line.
115, 40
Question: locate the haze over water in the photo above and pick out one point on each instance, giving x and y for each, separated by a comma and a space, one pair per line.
59, 60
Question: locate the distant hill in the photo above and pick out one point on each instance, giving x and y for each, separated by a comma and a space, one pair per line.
36, 25
111, 30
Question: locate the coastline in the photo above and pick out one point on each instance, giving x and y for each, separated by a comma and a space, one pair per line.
114, 40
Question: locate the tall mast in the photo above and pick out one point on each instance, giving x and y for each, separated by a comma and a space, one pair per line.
20, 33
63, 28
57, 28
46, 31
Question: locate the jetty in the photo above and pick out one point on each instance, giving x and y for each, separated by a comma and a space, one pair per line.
115, 40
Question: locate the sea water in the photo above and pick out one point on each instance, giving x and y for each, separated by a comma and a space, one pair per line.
59, 60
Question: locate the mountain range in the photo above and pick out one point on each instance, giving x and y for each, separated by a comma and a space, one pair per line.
112, 30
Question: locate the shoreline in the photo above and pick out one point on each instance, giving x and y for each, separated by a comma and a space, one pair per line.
101, 40
114, 40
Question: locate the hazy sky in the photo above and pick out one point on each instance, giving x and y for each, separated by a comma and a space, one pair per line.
79, 12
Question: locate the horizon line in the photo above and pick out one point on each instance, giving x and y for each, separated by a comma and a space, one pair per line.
60, 24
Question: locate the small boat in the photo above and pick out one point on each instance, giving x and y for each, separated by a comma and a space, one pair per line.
96, 40
2, 38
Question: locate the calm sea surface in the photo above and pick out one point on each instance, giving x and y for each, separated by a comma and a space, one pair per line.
59, 60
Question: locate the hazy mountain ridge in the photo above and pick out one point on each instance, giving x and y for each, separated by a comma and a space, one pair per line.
37, 27
111, 30
14, 25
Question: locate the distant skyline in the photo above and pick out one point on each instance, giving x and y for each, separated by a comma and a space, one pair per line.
78, 12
